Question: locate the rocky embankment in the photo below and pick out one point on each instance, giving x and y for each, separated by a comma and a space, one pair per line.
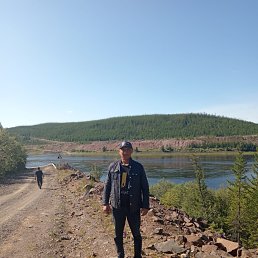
167, 232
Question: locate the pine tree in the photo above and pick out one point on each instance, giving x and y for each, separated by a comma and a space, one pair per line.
251, 209
202, 187
238, 189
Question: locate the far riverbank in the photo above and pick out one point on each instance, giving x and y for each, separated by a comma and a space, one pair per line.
167, 147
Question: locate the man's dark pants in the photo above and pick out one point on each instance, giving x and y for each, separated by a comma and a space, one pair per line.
40, 181
134, 221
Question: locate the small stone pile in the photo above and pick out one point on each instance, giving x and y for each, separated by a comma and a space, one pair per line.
193, 239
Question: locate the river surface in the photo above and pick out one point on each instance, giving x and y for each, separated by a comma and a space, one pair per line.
177, 169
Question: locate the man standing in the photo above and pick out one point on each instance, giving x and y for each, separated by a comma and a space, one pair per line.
127, 191
39, 175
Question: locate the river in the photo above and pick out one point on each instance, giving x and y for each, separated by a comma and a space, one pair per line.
177, 169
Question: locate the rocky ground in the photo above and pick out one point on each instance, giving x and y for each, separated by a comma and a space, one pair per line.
65, 219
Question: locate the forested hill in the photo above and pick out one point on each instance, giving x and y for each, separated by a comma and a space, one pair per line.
144, 127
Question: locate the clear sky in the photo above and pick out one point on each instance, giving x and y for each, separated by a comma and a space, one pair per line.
82, 60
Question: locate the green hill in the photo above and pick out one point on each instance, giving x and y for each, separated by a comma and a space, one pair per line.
145, 127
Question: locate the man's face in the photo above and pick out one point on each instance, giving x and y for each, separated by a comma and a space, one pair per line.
125, 153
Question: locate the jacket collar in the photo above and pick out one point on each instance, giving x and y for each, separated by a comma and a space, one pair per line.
130, 162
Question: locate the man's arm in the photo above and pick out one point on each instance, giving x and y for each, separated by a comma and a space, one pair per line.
145, 192
106, 194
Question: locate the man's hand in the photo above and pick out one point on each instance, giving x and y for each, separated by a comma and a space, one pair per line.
107, 209
144, 211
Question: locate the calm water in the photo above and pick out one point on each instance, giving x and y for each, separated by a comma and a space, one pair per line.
174, 169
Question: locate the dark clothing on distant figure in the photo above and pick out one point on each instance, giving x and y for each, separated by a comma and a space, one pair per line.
39, 175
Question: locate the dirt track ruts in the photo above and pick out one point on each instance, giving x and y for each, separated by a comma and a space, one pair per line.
27, 216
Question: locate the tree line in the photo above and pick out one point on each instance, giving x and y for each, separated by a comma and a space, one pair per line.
232, 210
227, 146
12, 154
145, 127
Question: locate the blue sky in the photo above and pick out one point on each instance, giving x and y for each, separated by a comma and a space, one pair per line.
68, 61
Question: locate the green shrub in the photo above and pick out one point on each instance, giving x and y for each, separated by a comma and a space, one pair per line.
220, 208
173, 197
184, 196
187, 197
159, 189
12, 154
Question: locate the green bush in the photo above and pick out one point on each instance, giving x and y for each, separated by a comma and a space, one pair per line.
12, 154
173, 196
220, 208
159, 189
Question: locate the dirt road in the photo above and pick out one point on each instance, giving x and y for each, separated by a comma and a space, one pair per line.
27, 216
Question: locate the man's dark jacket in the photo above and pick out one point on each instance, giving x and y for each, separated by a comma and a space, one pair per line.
138, 186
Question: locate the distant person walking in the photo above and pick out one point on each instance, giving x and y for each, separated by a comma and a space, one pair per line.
127, 192
39, 176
